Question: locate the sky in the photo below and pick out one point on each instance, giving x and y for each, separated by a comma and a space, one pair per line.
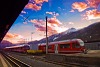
61, 16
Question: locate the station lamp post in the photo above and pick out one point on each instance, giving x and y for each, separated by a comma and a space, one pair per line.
31, 35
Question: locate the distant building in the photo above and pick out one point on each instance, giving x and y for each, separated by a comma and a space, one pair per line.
33, 46
93, 46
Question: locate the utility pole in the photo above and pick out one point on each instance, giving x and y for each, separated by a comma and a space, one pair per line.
46, 37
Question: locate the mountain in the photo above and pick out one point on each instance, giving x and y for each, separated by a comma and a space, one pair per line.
87, 34
33, 42
5, 43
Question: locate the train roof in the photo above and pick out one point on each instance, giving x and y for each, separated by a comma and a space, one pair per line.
16, 46
54, 42
62, 41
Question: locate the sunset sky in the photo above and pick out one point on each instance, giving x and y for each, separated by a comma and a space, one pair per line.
62, 15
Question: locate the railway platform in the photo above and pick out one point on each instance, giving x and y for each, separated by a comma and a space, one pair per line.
3, 63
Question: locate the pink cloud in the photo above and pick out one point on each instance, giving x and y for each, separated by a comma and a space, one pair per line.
53, 25
72, 10
53, 13
23, 12
71, 23
51, 31
80, 6
53, 21
42, 28
92, 14
35, 4
40, 1
13, 37
93, 3
24, 22
10, 35
38, 22
32, 6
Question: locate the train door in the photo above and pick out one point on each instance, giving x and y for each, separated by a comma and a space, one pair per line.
56, 48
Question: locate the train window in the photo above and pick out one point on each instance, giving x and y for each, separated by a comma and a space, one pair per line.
75, 45
49, 47
64, 45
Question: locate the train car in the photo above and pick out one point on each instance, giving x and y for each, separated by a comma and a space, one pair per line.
65, 46
18, 48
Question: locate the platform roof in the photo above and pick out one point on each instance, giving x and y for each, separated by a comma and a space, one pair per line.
9, 11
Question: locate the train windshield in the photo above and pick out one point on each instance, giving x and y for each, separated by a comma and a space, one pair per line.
81, 42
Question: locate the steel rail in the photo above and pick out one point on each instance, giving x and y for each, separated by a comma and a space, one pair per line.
61, 63
15, 62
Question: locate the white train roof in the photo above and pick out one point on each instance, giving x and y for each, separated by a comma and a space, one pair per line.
79, 40
17, 46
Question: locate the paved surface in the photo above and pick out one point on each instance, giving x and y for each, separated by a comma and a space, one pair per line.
2, 62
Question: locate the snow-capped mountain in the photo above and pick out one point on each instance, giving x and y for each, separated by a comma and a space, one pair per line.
89, 33
69, 31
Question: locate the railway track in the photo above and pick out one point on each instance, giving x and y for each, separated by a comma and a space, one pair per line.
62, 64
43, 59
15, 62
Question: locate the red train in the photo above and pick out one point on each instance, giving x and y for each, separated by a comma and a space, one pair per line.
18, 48
65, 46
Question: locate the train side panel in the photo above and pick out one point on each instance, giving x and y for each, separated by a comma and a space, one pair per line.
71, 46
